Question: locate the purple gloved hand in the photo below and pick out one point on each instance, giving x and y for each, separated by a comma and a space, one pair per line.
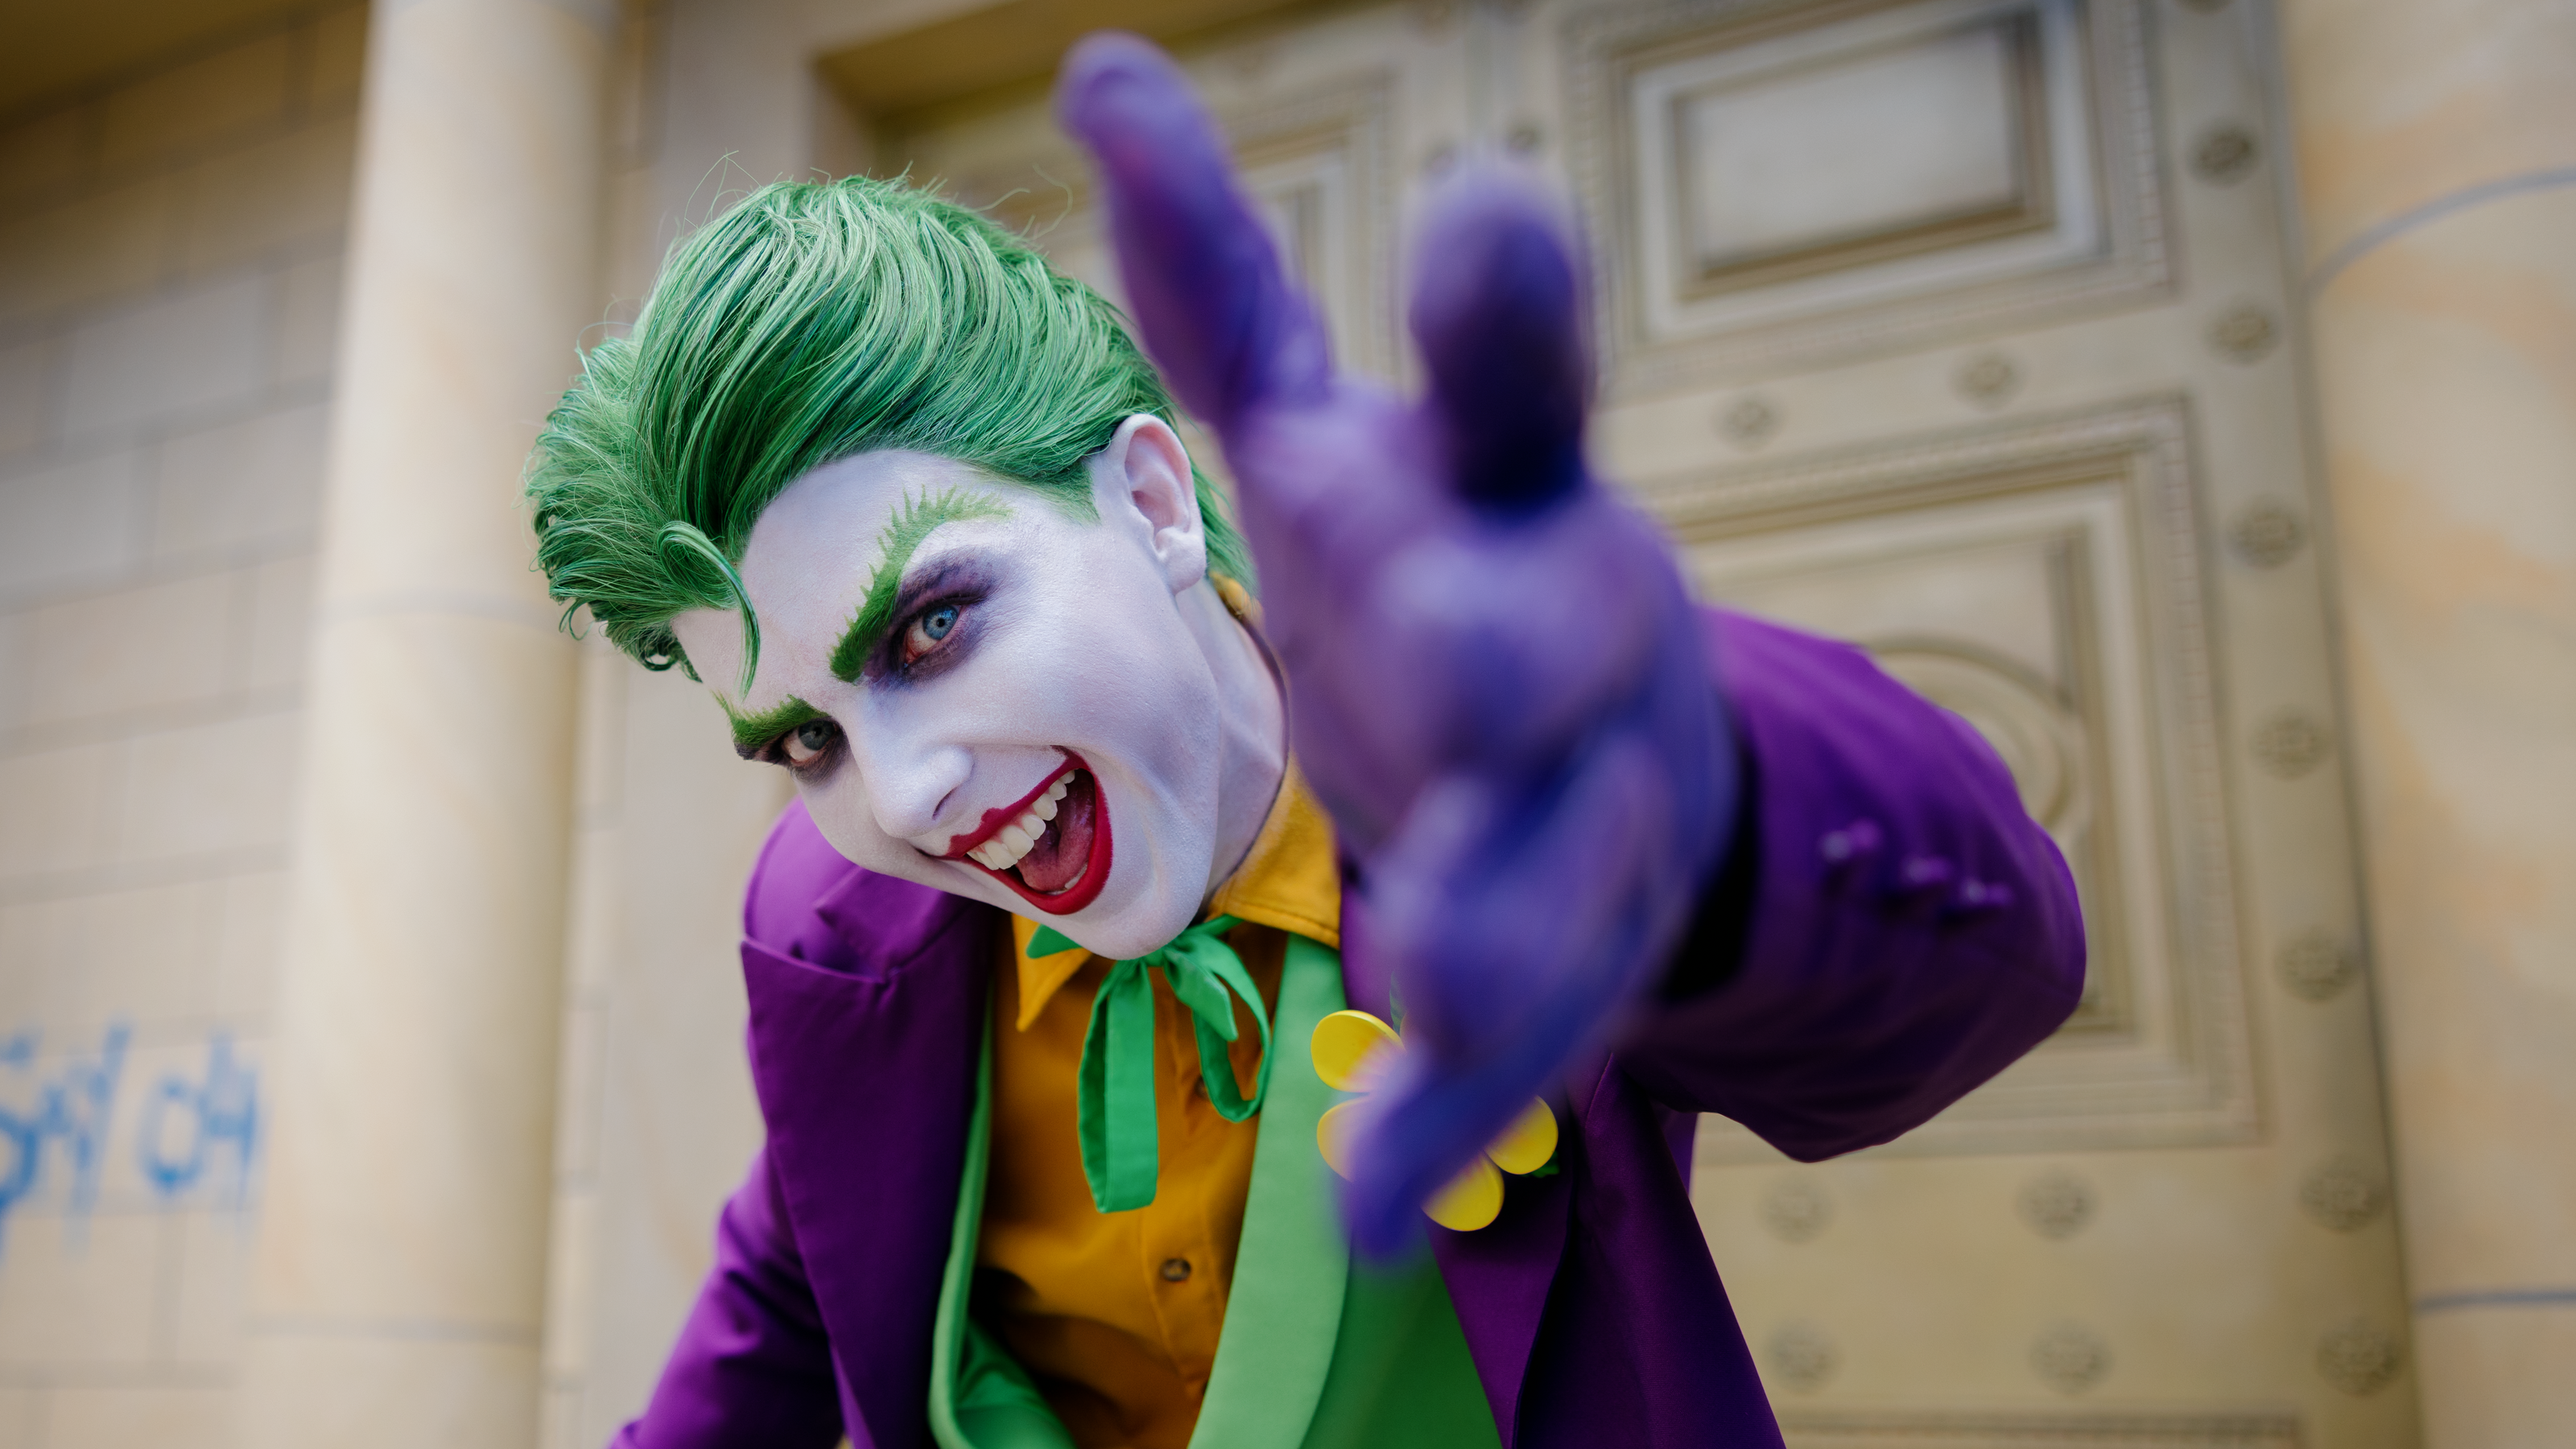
1497, 684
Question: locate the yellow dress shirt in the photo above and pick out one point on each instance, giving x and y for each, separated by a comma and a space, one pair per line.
1116, 1315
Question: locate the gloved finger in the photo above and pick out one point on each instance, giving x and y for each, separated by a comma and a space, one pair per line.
1204, 284
1520, 921
1501, 318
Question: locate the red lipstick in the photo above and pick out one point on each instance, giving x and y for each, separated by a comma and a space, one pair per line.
1081, 824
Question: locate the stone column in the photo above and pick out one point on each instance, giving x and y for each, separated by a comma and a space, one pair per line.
398, 1291
2437, 160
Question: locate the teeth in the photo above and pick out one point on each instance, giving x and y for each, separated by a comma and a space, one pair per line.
1010, 844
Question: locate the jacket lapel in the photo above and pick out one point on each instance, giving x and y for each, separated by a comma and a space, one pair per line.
866, 1076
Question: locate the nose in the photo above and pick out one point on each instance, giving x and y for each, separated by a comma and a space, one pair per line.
908, 778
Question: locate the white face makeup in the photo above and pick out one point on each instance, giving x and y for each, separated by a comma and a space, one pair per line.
1055, 716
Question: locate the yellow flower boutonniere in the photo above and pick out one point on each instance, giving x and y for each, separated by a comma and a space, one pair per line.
1352, 1049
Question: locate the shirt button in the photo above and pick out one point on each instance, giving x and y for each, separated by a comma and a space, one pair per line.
1176, 1270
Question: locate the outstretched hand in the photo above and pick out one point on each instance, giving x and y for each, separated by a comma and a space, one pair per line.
1497, 684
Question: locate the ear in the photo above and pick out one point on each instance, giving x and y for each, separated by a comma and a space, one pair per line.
1142, 480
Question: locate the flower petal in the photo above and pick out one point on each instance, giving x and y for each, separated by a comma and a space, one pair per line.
1528, 1143
1333, 1135
1347, 1047
1471, 1200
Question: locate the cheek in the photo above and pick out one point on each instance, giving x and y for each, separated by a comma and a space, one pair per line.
839, 805
1094, 661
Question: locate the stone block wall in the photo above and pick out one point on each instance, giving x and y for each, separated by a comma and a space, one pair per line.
169, 272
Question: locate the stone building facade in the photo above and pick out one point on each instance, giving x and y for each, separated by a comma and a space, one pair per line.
2179, 389
170, 250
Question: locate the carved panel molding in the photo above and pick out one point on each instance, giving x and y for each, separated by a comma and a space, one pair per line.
2043, 581
1319, 165
1787, 182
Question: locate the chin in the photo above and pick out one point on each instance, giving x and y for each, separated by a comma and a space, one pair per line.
1141, 906
1134, 929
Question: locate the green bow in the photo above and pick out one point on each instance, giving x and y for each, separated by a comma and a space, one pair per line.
1120, 1155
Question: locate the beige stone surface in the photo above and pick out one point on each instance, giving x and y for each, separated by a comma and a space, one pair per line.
676, 1121
205, 1295
273, 634
248, 916
100, 957
257, 480
2466, 1358
194, 790
14, 645
572, 1267
26, 393
61, 808
136, 649
289, 191
338, 57
159, 453
2397, 103
191, 352
400, 1276
80, 1292
2445, 360
397, 1394
416, 1016
308, 320
122, 1418
68, 522
20, 1411
85, 250
2451, 407
197, 106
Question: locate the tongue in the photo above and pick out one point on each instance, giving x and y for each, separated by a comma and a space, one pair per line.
1058, 858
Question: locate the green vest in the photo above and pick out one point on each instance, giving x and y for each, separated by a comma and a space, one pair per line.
1317, 1352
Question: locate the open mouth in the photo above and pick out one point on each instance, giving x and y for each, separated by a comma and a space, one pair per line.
1052, 847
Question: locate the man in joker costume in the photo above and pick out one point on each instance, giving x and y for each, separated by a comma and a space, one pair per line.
1107, 890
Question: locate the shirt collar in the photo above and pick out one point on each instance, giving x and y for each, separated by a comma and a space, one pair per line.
1289, 879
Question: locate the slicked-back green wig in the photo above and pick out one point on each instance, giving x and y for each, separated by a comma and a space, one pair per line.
811, 322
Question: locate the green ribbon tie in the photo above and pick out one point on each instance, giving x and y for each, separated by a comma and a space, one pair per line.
1120, 1155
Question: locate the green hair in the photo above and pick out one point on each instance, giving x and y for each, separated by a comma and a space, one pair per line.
814, 321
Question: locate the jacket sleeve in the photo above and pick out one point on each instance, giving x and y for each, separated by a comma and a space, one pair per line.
1891, 928
752, 1369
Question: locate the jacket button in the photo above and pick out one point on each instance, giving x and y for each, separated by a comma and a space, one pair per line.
1859, 838
1176, 1270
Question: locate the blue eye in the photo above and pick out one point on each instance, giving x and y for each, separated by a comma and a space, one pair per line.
929, 627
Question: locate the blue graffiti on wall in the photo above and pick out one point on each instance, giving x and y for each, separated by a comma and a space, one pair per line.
186, 1122
193, 1124
73, 1110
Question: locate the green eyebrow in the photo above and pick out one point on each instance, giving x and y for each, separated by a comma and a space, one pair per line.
753, 732
912, 522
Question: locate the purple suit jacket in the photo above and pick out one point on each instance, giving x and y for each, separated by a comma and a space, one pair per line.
1891, 931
